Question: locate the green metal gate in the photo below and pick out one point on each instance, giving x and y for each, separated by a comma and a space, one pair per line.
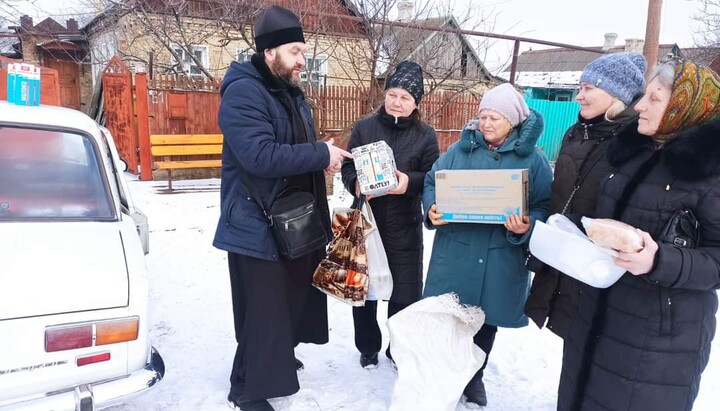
558, 116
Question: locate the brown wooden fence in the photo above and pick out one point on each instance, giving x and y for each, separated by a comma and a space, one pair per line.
172, 105
119, 109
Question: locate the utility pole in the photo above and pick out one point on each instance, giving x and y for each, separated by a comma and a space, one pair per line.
652, 34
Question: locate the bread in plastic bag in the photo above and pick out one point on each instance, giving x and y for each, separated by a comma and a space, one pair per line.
613, 234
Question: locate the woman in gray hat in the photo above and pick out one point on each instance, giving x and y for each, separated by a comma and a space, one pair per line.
398, 214
484, 263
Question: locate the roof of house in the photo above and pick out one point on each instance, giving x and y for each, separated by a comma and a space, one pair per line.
564, 59
562, 67
410, 40
244, 12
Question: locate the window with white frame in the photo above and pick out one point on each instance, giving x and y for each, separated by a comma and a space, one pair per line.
188, 64
315, 71
243, 55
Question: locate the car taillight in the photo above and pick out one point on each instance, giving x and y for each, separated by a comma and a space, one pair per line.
116, 331
70, 337
92, 359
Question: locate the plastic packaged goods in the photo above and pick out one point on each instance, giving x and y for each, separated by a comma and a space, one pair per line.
23, 85
564, 223
35, 87
11, 78
613, 234
558, 245
375, 166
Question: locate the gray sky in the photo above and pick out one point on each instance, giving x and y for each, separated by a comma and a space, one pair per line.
583, 22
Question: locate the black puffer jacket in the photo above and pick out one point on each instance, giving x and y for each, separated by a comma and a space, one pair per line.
553, 296
399, 217
642, 343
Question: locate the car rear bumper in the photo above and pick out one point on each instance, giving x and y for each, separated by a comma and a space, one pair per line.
89, 397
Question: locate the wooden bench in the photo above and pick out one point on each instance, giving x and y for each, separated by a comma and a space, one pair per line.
166, 145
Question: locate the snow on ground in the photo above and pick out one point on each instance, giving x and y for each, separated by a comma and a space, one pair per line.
190, 322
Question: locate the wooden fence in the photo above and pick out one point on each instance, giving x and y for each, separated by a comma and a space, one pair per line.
337, 108
179, 105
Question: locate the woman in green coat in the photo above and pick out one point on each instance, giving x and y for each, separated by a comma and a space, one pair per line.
484, 264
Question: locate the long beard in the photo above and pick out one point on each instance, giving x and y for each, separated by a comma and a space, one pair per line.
284, 74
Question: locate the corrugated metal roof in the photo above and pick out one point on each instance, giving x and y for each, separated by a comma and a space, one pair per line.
564, 59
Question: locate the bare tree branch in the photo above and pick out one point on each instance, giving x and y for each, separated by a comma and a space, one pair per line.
709, 19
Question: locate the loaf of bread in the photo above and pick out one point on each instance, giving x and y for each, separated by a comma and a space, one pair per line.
613, 234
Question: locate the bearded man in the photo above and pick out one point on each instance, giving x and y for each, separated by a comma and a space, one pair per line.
270, 145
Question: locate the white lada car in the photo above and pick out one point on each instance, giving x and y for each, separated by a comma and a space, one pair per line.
73, 280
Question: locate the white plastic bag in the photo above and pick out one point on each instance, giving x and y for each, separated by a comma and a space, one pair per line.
432, 345
574, 255
380, 278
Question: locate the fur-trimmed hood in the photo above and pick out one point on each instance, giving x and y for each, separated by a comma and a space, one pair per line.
522, 139
691, 155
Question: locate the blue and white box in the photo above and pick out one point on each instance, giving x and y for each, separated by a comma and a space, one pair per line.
481, 196
375, 167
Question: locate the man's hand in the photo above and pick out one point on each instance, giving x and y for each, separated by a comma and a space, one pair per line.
518, 224
403, 181
435, 217
337, 156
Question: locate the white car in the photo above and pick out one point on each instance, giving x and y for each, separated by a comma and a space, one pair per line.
73, 280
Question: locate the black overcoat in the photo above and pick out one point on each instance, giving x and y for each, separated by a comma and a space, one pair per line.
399, 217
582, 162
642, 344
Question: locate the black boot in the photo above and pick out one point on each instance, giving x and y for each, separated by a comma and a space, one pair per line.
299, 366
369, 360
236, 402
475, 390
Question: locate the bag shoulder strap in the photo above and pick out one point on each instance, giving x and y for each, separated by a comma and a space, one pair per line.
254, 193
582, 176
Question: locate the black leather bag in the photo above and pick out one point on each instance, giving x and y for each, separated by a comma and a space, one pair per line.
296, 224
682, 230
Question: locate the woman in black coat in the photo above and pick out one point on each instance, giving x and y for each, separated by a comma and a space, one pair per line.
398, 214
642, 343
608, 89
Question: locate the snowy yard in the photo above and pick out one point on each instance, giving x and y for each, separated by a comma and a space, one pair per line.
191, 325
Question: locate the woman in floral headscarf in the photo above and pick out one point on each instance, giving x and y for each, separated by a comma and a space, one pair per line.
643, 343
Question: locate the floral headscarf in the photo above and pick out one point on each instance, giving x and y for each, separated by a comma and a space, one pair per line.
695, 99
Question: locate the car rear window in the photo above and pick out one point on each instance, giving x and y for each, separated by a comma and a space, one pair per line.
47, 174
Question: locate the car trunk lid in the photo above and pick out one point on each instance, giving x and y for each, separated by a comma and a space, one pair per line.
81, 262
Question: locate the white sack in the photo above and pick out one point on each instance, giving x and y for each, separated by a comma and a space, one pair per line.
432, 345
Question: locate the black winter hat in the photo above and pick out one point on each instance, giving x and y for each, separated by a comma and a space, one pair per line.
276, 26
408, 76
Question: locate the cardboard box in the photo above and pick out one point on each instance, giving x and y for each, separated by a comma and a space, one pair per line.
375, 166
481, 196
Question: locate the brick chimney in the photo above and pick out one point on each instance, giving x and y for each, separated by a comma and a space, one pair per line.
609, 41
634, 45
405, 10
26, 22
73, 26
